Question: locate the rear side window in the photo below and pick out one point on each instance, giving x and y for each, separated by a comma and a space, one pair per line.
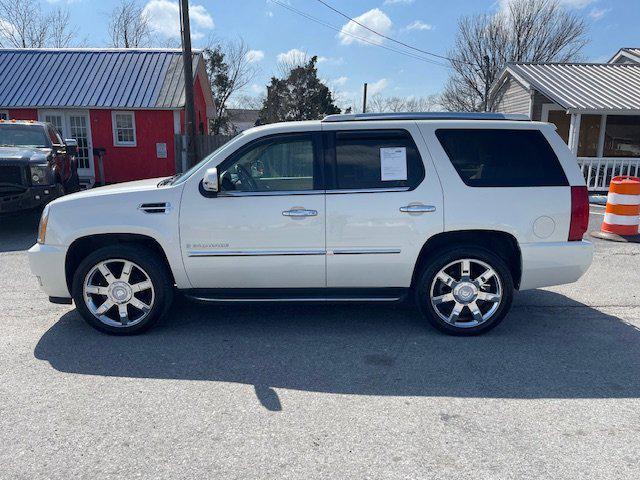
502, 158
370, 159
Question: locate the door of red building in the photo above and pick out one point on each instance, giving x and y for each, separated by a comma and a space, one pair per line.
75, 124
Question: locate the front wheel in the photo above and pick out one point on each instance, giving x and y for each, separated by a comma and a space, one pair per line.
122, 289
465, 290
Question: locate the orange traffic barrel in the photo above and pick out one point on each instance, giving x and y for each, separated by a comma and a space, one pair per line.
622, 214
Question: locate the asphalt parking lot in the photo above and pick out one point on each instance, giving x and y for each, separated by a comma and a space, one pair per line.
324, 391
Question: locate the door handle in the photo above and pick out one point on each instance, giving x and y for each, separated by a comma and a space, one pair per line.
418, 208
300, 212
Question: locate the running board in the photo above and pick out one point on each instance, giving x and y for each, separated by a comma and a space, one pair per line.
249, 295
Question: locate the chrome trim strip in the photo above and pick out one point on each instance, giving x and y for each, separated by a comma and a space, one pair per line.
270, 194
251, 253
297, 299
363, 251
312, 192
369, 190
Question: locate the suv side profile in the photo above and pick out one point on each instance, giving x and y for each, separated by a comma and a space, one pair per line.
453, 210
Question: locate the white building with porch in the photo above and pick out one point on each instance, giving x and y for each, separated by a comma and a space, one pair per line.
595, 107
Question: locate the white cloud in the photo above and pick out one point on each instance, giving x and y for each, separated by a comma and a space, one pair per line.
255, 56
164, 18
375, 19
255, 88
340, 81
293, 57
330, 60
378, 86
597, 13
419, 25
398, 2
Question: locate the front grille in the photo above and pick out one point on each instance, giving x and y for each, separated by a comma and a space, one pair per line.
11, 174
11, 178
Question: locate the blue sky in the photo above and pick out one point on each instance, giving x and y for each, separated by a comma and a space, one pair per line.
271, 30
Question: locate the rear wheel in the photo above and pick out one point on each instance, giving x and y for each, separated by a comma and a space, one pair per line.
122, 289
465, 290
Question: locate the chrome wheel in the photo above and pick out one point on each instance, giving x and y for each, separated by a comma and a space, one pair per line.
118, 292
466, 293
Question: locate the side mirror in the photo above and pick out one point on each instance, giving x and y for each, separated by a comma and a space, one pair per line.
72, 146
210, 180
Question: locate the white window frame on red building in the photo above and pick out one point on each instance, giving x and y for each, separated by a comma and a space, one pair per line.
116, 142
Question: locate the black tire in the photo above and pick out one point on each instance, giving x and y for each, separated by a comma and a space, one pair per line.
447, 256
154, 268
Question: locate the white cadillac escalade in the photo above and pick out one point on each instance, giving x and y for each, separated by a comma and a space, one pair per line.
453, 210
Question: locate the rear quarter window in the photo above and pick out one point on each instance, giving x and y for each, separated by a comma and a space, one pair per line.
502, 157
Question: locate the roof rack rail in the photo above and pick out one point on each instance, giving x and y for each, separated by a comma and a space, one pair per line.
361, 117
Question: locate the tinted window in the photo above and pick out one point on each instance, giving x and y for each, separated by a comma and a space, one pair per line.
502, 158
368, 159
279, 164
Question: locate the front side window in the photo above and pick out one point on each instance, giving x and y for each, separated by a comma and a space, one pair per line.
376, 159
272, 165
502, 158
124, 129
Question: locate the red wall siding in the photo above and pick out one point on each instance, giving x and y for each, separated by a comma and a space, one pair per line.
201, 110
23, 113
122, 164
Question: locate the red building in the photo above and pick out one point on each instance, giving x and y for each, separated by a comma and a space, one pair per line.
127, 104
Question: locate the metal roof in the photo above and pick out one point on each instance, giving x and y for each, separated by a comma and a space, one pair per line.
355, 117
92, 78
597, 87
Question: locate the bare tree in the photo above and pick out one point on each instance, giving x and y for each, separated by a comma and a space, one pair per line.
23, 25
395, 104
229, 72
129, 26
525, 31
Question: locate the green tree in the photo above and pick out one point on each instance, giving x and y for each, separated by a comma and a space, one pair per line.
299, 96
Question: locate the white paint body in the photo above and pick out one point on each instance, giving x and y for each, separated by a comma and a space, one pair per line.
257, 247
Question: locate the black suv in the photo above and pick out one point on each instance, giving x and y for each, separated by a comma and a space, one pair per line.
36, 165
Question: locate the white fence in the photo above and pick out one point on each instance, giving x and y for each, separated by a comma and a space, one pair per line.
598, 172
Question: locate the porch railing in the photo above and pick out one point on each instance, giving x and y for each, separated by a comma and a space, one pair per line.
599, 171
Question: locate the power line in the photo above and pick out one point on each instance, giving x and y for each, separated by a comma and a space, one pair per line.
390, 38
337, 29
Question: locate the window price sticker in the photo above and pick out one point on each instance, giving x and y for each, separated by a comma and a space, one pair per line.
393, 164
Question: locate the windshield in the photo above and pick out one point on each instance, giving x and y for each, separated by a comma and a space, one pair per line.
182, 177
22, 136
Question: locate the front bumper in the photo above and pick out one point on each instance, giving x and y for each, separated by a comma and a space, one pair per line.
47, 264
32, 197
554, 263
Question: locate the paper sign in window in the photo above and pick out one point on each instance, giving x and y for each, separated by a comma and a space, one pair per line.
393, 164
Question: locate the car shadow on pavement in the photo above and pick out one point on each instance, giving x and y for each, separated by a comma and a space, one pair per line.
548, 347
18, 231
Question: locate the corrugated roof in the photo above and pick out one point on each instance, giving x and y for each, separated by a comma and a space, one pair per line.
92, 78
585, 86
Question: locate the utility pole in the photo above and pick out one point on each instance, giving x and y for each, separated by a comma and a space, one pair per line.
364, 100
486, 82
187, 60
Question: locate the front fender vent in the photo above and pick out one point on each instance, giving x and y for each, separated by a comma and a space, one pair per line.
161, 207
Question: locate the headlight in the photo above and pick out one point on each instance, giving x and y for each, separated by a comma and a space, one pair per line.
42, 227
40, 175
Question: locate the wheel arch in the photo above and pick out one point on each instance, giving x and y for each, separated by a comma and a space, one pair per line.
498, 242
83, 246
